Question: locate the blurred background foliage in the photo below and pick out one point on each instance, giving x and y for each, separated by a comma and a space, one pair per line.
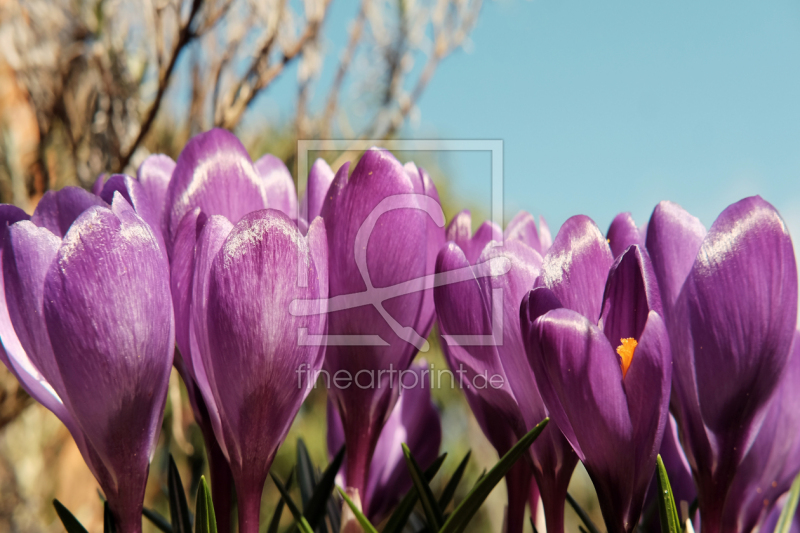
88, 87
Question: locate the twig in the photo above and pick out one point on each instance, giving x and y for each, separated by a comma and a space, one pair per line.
185, 36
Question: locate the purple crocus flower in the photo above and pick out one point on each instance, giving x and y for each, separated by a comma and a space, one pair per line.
215, 180
413, 421
320, 178
494, 371
86, 326
773, 461
385, 226
730, 302
623, 233
601, 360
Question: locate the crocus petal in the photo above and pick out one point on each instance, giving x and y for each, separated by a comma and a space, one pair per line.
97, 186
459, 231
576, 266
211, 238
623, 233
773, 460
673, 240
258, 264
523, 228
631, 293
214, 173
27, 256
742, 303
138, 198
278, 180
320, 178
109, 317
647, 387
154, 174
57, 210
545, 237
182, 280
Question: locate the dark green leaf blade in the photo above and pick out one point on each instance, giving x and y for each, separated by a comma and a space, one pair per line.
366, 525
789, 508
459, 519
306, 475
276, 516
583, 515
429, 504
157, 520
205, 519
108, 520
178, 508
314, 509
71, 523
399, 517
299, 519
450, 489
667, 511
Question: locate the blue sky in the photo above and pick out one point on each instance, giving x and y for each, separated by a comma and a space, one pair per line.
613, 106
607, 106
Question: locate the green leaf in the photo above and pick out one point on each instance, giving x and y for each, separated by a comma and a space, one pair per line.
178, 508
71, 523
399, 517
789, 508
583, 515
429, 503
314, 509
452, 485
108, 520
206, 521
363, 520
306, 474
459, 519
276, 516
157, 520
299, 519
667, 511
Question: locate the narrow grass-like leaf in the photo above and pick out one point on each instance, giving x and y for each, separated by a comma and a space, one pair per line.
366, 525
178, 508
108, 520
429, 504
459, 519
306, 474
583, 515
157, 520
314, 509
399, 517
789, 508
71, 523
276, 516
204, 510
450, 489
299, 519
667, 510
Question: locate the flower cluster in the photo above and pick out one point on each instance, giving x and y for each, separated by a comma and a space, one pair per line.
664, 339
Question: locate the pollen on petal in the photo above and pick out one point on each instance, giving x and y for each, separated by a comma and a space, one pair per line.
625, 352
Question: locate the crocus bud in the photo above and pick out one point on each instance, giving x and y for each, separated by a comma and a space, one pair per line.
415, 422
731, 307
88, 330
384, 227
481, 340
213, 176
247, 357
605, 382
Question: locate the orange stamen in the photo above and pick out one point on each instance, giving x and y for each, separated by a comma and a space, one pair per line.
625, 351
